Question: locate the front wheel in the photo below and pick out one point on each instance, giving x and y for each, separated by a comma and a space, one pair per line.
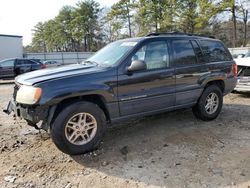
78, 129
210, 103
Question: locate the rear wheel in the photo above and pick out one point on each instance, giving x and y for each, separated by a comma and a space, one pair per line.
78, 129
210, 103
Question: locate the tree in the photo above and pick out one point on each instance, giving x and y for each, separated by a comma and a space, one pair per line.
150, 14
121, 14
244, 14
85, 23
230, 6
64, 20
188, 16
38, 40
87, 27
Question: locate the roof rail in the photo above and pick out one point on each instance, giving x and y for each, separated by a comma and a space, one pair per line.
178, 33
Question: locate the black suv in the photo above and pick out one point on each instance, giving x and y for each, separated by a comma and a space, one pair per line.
126, 79
10, 68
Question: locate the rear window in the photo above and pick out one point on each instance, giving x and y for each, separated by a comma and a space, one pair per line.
214, 51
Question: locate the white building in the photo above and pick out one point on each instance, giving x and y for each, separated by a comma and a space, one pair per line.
11, 46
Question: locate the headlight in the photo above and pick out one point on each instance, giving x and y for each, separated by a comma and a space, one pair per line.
28, 94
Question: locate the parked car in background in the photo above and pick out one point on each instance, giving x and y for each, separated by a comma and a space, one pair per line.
127, 79
243, 60
51, 63
238, 56
11, 68
243, 82
247, 54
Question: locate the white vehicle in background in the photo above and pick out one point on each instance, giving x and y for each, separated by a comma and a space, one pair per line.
243, 83
51, 63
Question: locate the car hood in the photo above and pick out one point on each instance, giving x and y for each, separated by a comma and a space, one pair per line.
245, 61
43, 75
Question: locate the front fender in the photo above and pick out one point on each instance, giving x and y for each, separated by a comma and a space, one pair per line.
59, 95
56, 91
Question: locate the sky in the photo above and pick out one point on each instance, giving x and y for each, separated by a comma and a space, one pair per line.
18, 17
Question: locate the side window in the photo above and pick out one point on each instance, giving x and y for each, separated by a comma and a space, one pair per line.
32, 62
198, 52
183, 52
7, 63
22, 62
215, 51
154, 54
25, 62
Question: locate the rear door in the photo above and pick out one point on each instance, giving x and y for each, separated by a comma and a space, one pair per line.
7, 68
149, 90
35, 64
189, 68
22, 66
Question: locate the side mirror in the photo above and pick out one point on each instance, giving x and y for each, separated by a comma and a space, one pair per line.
137, 65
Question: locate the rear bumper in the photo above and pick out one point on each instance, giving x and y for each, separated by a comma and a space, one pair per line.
230, 84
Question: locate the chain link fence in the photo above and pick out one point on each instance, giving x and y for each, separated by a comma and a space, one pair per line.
63, 57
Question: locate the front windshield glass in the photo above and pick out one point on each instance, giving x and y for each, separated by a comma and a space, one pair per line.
110, 54
247, 54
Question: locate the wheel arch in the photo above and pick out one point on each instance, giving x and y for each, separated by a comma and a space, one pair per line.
220, 83
93, 98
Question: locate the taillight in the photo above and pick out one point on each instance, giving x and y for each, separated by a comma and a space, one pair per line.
235, 70
43, 66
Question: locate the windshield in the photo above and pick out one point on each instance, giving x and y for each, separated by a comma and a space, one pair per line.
110, 54
247, 54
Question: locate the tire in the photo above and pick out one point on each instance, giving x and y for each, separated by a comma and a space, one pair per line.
200, 111
65, 125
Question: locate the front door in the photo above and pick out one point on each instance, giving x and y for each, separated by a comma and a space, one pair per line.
149, 90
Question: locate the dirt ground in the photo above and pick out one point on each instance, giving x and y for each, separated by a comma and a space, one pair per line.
168, 150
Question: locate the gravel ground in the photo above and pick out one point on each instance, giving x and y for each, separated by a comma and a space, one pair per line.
168, 150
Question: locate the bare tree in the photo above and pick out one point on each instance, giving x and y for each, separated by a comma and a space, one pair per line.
244, 12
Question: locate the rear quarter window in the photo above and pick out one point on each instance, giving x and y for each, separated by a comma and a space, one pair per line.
214, 51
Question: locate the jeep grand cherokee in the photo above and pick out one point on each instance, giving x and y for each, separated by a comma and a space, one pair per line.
126, 79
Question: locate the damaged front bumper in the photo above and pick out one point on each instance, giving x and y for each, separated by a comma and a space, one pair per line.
243, 84
32, 114
11, 107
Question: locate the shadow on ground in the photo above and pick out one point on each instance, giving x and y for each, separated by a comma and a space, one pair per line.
176, 149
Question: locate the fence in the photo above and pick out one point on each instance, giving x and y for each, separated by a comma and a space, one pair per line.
63, 57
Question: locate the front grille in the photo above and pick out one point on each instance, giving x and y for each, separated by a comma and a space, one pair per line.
244, 80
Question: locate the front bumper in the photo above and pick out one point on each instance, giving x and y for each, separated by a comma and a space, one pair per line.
11, 107
243, 84
242, 88
32, 114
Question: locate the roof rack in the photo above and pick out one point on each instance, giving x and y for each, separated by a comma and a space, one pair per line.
178, 33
